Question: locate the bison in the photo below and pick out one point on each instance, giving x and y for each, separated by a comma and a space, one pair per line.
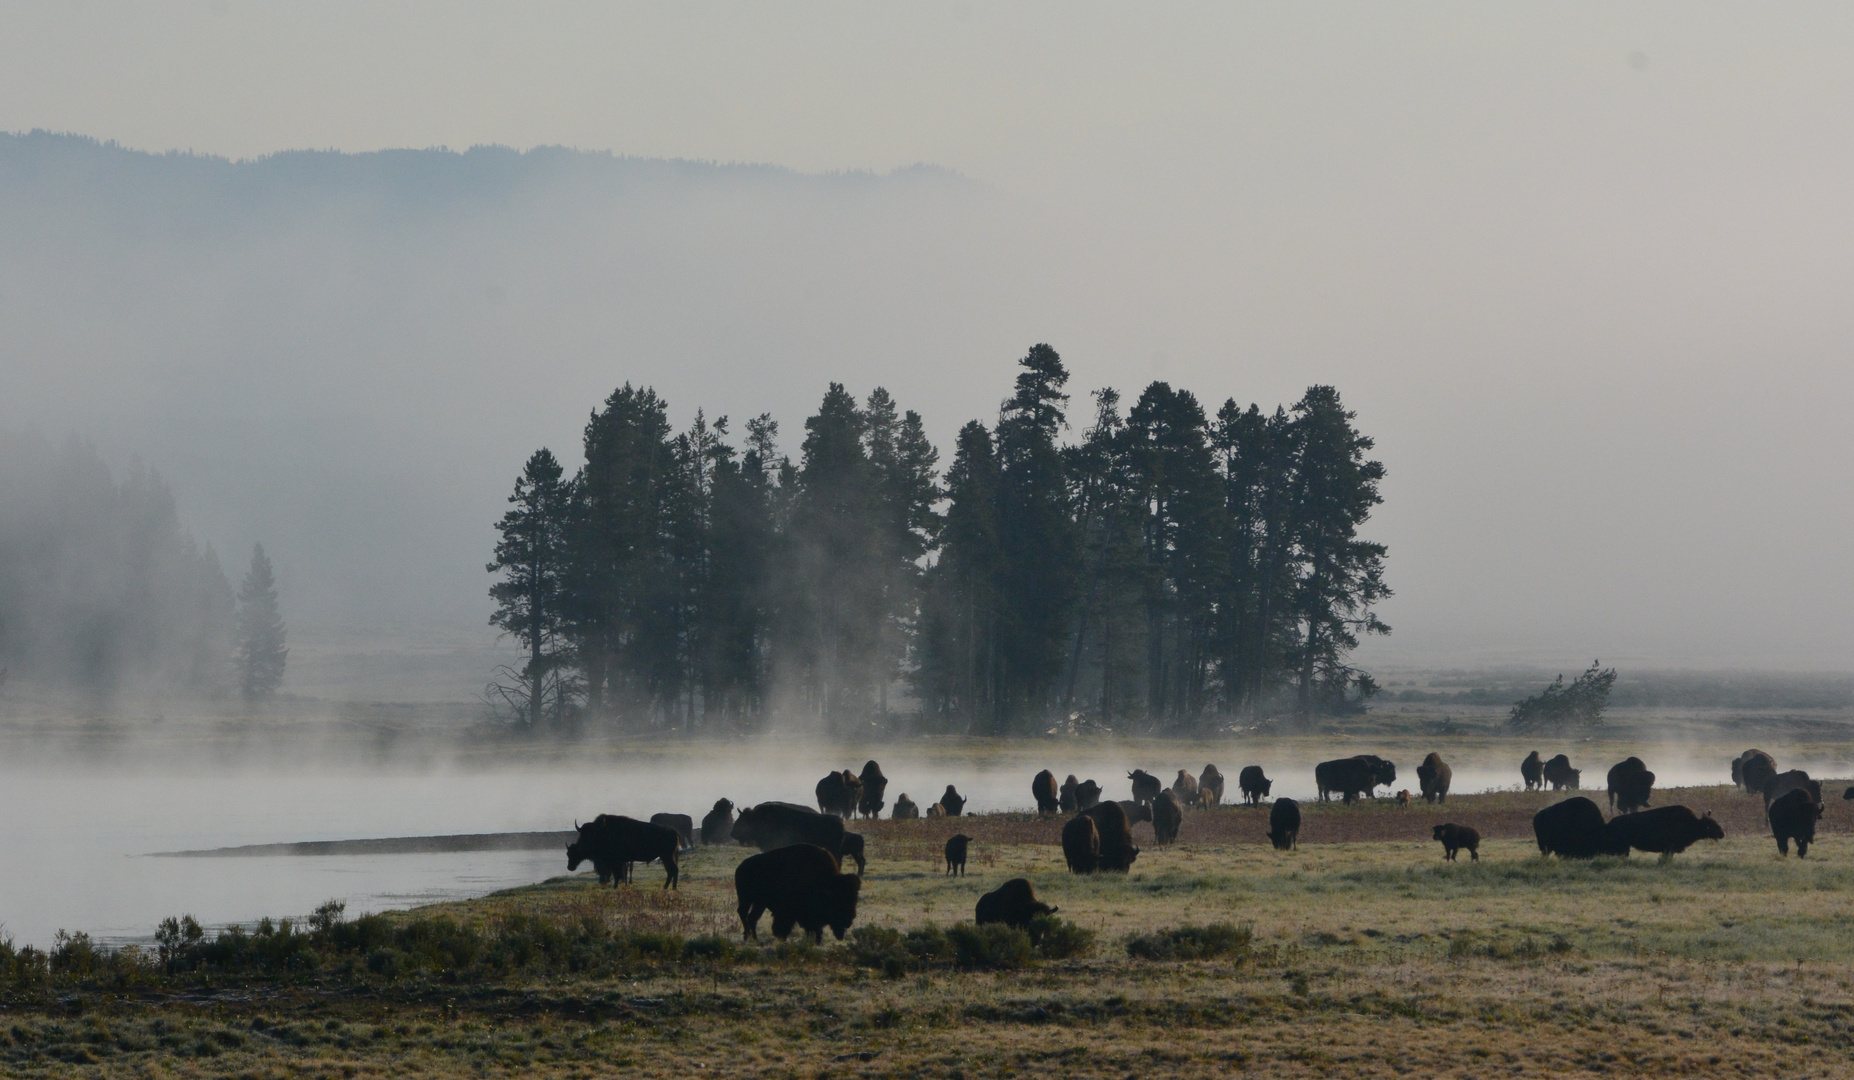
838, 793
1013, 903
1167, 815
1066, 797
1573, 829
801, 885
952, 802
1043, 790
1253, 785
1559, 774
614, 841
956, 854
1630, 784
936, 810
1792, 817
853, 849
772, 825
718, 824
685, 828
1081, 845
1284, 824
1753, 769
1455, 837
1087, 795
1668, 830
875, 790
1136, 812
1117, 850
1146, 787
1783, 783
1185, 788
905, 810
1433, 776
1353, 776
1210, 786
1532, 771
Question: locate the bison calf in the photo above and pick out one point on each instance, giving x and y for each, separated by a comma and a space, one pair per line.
1793, 817
1284, 824
956, 854
1455, 837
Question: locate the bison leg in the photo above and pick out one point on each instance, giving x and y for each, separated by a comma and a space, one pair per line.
750, 920
1783, 846
672, 874
1475, 854
1802, 848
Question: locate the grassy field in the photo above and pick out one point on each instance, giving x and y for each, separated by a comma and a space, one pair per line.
1362, 954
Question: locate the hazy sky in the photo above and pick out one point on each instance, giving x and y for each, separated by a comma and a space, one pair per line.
1585, 270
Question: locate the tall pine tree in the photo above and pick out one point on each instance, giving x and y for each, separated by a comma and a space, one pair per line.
534, 557
262, 652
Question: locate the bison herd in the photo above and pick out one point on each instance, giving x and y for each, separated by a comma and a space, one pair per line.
799, 878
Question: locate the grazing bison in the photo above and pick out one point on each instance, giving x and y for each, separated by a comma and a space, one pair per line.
1793, 817
1284, 824
1013, 903
875, 790
956, 854
952, 802
905, 810
1353, 776
1136, 812
1433, 776
1167, 815
1630, 784
1066, 797
1043, 790
1210, 786
685, 828
838, 793
1753, 769
1146, 787
772, 825
801, 885
1559, 774
1783, 783
1668, 830
1253, 785
1532, 771
718, 824
853, 849
1185, 788
1081, 845
1573, 829
615, 841
1087, 795
1455, 837
1117, 850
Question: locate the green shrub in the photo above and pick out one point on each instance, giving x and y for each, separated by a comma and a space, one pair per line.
1191, 942
1059, 939
710, 947
992, 947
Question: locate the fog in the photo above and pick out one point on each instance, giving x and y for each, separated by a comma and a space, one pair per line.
1581, 272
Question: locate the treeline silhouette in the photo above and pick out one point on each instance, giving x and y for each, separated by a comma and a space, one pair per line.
1169, 570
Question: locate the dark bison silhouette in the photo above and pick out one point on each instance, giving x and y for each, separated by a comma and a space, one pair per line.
611, 842
1753, 769
1043, 789
1434, 777
1066, 796
1081, 845
853, 849
1146, 787
685, 828
718, 824
952, 802
1013, 903
1573, 829
1668, 830
1185, 787
1785, 782
1353, 776
905, 810
1532, 771
838, 793
1284, 824
802, 886
1136, 812
1117, 850
1559, 774
773, 825
1792, 817
1210, 786
1455, 837
956, 854
1253, 785
1087, 795
1167, 816
875, 790
1630, 784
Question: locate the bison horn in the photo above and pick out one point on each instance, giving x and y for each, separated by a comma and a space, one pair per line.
576, 825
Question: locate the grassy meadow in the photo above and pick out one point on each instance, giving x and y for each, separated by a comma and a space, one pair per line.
1361, 954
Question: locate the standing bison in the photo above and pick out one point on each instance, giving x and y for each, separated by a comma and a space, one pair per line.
1668, 830
1253, 785
1630, 784
1353, 776
684, 826
1573, 829
1043, 789
1753, 769
613, 841
956, 846
801, 885
1087, 795
1559, 774
1185, 788
838, 793
952, 802
1066, 797
1146, 787
1284, 824
1167, 816
1434, 777
718, 824
1013, 903
1532, 771
772, 825
875, 790
1210, 786
905, 810
1117, 850
1455, 837
1793, 817
1081, 845
1785, 782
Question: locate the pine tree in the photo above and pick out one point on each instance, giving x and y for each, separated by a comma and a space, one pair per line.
959, 613
262, 653
534, 557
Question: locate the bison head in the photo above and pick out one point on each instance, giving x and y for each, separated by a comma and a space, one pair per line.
841, 904
1384, 773
575, 855
724, 806
1711, 829
1265, 786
